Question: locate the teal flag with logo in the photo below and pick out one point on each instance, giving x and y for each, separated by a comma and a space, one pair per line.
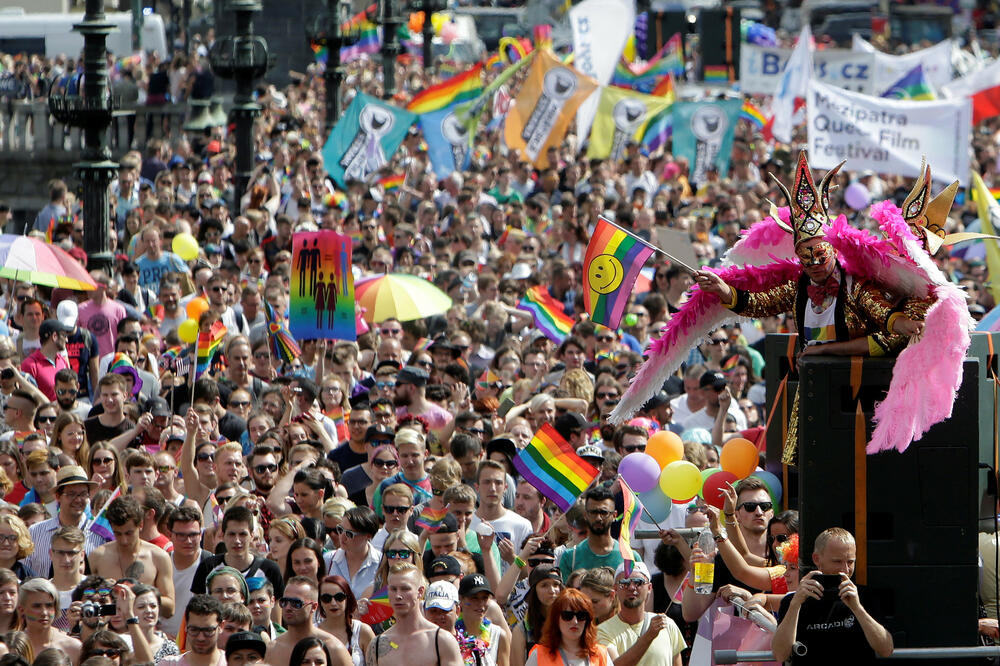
365, 139
703, 133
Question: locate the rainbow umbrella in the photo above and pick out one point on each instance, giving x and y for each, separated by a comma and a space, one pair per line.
27, 259
379, 609
400, 296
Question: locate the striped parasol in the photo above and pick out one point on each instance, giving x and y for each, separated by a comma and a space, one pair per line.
27, 259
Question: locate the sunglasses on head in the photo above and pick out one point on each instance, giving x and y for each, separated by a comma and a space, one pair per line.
327, 597
581, 615
750, 507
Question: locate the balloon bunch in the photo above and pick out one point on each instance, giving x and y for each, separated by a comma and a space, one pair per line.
188, 329
661, 476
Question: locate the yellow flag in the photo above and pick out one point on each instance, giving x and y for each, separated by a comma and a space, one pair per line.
545, 107
989, 214
622, 116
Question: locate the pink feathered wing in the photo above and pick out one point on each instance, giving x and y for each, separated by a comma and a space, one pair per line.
926, 376
696, 319
761, 243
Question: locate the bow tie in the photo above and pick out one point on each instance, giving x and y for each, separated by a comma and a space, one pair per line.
818, 292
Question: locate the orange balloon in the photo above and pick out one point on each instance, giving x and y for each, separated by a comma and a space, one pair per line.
666, 447
739, 456
196, 306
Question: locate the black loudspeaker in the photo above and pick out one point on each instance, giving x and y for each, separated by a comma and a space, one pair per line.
778, 367
719, 42
662, 26
922, 505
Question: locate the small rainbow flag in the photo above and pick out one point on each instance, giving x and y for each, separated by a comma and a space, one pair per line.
645, 79
630, 518
716, 74
336, 199
100, 525
392, 183
551, 465
610, 268
488, 379
995, 192
206, 346
430, 519
913, 85
750, 113
368, 43
550, 316
283, 345
379, 609
422, 344
461, 88
320, 53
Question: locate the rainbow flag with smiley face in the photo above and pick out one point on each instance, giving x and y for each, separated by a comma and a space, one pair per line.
610, 268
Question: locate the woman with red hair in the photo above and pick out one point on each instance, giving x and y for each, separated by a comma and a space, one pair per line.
569, 637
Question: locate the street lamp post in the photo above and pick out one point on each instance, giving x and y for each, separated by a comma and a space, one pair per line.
92, 112
328, 30
242, 57
391, 48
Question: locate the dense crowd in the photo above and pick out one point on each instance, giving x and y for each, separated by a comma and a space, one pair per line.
360, 504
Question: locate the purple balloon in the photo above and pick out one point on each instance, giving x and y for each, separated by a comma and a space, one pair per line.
857, 196
640, 471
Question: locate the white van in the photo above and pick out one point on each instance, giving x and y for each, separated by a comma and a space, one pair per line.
52, 34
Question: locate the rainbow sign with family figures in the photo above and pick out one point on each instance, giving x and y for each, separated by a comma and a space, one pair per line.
322, 292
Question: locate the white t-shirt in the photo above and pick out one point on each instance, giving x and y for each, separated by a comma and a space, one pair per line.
511, 525
701, 419
183, 582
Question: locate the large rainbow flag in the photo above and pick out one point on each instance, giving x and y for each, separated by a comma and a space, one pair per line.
550, 316
368, 43
610, 268
461, 88
551, 465
207, 345
668, 60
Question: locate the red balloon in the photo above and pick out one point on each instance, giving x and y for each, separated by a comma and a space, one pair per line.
712, 489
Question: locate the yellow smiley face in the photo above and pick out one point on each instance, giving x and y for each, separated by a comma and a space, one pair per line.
605, 273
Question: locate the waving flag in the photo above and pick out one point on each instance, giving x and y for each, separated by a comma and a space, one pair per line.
470, 112
464, 87
551, 465
283, 345
368, 43
550, 316
793, 84
379, 608
750, 113
989, 216
622, 116
100, 525
206, 346
365, 139
610, 268
668, 61
449, 145
913, 85
630, 518
430, 519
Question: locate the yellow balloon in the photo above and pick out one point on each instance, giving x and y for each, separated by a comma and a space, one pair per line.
680, 480
185, 246
188, 331
438, 19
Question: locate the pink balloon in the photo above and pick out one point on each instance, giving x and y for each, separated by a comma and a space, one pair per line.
449, 32
640, 471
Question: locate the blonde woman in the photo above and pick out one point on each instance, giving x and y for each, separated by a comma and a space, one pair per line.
577, 384
599, 586
15, 545
333, 514
400, 546
69, 436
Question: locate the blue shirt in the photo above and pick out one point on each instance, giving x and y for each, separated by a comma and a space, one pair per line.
152, 271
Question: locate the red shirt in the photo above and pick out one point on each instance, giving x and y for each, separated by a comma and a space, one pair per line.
44, 371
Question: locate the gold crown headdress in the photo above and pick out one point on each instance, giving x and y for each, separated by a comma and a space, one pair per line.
809, 205
927, 216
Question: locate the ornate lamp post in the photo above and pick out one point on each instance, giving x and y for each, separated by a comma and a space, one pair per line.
391, 48
91, 112
328, 30
242, 57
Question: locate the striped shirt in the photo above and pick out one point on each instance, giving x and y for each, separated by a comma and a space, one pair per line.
41, 535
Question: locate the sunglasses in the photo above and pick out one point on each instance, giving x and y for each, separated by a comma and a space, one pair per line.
350, 534
380, 462
605, 338
67, 392
100, 592
292, 602
46, 419
437, 492
327, 597
108, 652
239, 404
568, 615
539, 561
223, 500
385, 385
715, 341
779, 538
163, 469
202, 457
398, 554
380, 442
395, 509
103, 461
391, 331
750, 507
607, 396
263, 469
632, 582
635, 447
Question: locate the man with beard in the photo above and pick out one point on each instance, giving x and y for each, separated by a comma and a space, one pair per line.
598, 549
298, 605
67, 394
635, 637
264, 472
410, 398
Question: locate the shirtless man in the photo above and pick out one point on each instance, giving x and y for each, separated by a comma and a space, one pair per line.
128, 556
413, 640
38, 604
298, 606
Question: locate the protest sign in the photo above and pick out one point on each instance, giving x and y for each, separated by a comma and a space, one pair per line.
703, 133
322, 289
888, 136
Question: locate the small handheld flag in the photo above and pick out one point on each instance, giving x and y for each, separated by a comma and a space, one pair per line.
630, 518
551, 465
430, 519
100, 525
610, 268
208, 344
550, 316
283, 345
379, 609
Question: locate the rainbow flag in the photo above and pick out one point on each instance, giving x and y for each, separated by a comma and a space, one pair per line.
339, 200
206, 346
665, 88
913, 86
716, 74
750, 113
461, 88
392, 183
320, 53
995, 191
551, 465
379, 608
610, 268
550, 316
430, 519
488, 379
100, 525
630, 518
283, 345
367, 44
668, 60
659, 129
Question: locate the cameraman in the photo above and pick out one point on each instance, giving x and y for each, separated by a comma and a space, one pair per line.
828, 616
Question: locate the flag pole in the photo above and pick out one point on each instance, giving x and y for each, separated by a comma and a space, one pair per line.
194, 370
651, 246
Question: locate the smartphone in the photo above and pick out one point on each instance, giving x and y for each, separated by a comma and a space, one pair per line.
830, 583
107, 610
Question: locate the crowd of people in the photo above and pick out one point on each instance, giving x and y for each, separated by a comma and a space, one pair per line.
276, 512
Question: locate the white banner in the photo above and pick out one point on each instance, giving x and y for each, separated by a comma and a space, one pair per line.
936, 61
761, 67
600, 30
888, 136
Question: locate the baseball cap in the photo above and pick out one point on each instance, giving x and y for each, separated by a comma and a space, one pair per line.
246, 640
591, 451
158, 407
379, 431
445, 565
50, 326
713, 379
412, 375
473, 584
544, 572
504, 445
67, 312
638, 567
441, 594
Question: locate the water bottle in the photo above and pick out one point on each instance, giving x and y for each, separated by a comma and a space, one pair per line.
704, 572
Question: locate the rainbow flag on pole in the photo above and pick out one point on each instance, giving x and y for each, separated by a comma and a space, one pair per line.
551, 465
630, 518
550, 316
610, 268
750, 113
463, 87
667, 61
392, 183
368, 43
100, 525
206, 346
